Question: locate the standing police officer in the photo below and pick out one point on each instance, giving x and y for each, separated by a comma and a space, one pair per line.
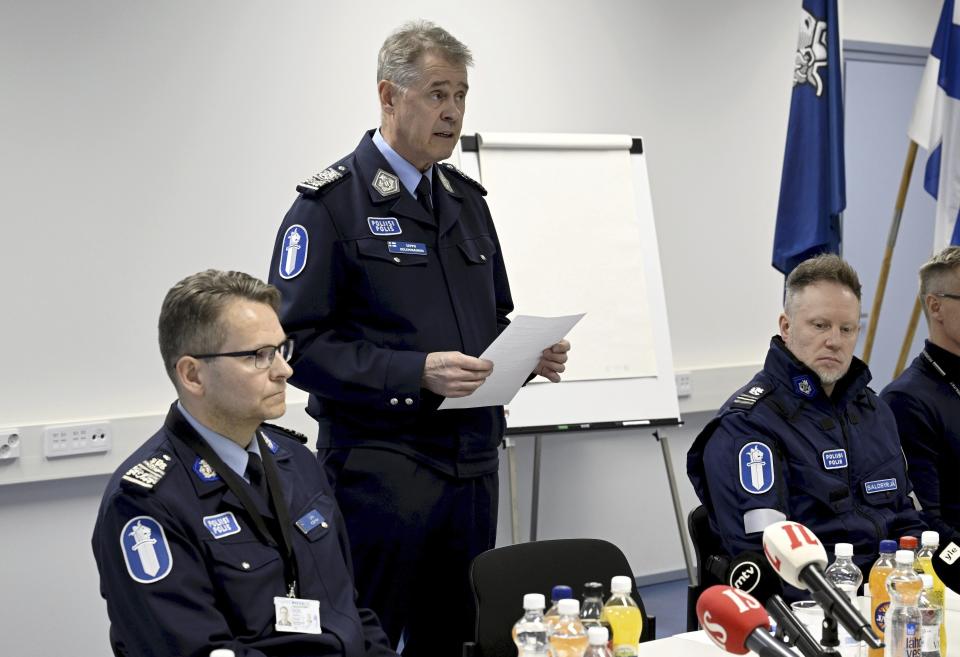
807, 440
925, 398
221, 531
393, 283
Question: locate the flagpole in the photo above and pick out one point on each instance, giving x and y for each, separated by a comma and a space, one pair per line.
908, 338
888, 256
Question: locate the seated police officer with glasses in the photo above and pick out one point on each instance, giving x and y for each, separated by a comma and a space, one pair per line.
221, 531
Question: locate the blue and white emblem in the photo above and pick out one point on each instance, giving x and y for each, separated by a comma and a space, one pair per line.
222, 524
756, 468
145, 550
204, 471
384, 225
311, 520
293, 256
812, 52
880, 486
834, 459
804, 386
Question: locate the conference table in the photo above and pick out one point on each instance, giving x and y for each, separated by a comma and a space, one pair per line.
698, 644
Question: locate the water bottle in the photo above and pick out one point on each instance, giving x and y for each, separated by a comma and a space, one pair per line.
530, 632
591, 610
903, 617
847, 577
929, 544
931, 619
623, 615
879, 598
598, 638
557, 593
569, 638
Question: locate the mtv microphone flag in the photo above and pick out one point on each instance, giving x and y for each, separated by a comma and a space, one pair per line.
936, 125
813, 187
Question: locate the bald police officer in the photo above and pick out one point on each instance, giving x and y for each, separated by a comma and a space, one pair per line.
222, 531
393, 285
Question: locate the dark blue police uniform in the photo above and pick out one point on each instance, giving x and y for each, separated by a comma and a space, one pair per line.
183, 570
372, 281
927, 409
780, 448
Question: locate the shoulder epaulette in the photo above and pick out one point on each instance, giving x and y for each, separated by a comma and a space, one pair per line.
146, 474
312, 185
296, 435
454, 170
749, 395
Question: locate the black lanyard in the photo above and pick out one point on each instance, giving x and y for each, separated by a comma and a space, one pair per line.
241, 489
940, 371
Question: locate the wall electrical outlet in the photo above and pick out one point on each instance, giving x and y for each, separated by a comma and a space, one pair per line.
684, 388
76, 439
9, 444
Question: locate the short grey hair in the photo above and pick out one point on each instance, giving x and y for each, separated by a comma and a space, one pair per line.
191, 312
936, 273
824, 267
399, 58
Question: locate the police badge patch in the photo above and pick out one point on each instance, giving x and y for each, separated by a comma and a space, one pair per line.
145, 550
204, 471
222, 524
834, 459
756, 468
293, 257
384, 225
385, 183
804, 386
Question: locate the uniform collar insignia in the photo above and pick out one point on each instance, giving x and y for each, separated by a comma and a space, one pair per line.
443, 181
804, 386
385, 183
204, 471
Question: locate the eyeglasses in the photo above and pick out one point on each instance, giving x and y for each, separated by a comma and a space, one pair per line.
262, 357
947, 295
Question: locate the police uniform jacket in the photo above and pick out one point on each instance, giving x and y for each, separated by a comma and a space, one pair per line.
384, 283
213, 579
927, 409
780, 445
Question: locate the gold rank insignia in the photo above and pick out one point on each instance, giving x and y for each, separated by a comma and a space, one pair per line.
317, 181
386, 183
149, 472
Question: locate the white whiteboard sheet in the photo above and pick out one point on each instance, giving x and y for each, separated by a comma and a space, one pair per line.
573, 404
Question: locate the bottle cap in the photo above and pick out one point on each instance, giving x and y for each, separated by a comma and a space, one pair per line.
905, 557
221, 652
927, 580
887, 546
929, 539
534, 601
569, 607
559, 592
843, 550
598, 636
620, 584
909, 542
593, 590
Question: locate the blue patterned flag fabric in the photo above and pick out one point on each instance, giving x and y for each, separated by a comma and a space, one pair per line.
936, 125
812, 188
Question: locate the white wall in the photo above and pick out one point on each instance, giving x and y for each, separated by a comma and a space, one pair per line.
143, 141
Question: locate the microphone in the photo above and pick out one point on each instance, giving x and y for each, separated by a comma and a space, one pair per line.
798, 555
751, 572
946, 564
736, 622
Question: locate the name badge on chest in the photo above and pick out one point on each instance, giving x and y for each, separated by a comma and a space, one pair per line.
414, 248
297, 615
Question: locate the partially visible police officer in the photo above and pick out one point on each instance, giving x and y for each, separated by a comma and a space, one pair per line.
393, 284
222, 531
925, 398
806, 439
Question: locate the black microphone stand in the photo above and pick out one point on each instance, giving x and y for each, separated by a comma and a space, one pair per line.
794, 633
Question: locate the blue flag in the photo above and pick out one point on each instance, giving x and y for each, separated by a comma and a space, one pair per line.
813, 189
936, 125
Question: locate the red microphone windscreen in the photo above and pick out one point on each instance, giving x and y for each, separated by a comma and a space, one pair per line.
729, 615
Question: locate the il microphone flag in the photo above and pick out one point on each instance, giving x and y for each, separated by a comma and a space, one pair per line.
813, 187
936, 125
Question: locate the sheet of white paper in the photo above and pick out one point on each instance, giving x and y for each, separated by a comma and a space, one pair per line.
514, 354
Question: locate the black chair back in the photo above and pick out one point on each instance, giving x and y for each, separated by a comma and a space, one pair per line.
705, 545
500, 578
